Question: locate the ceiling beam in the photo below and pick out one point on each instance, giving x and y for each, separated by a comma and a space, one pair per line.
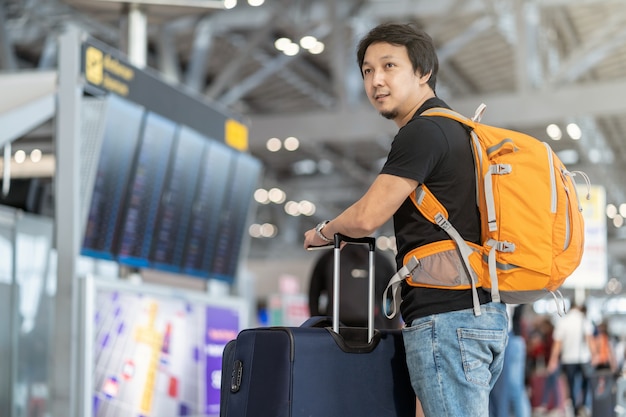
512, 109
427, 10
231, 71
595, 48
199, 54
8, 60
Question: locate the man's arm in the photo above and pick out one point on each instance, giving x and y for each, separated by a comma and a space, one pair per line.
593, 348
553, 362
380, 202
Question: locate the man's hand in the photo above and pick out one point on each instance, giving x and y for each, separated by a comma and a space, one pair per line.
311, 239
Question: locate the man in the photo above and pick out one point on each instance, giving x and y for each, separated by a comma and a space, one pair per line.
454, 357
573, 346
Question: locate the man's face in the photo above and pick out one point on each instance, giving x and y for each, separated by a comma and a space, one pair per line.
393, 88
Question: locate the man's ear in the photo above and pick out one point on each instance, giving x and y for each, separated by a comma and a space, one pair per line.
425, 78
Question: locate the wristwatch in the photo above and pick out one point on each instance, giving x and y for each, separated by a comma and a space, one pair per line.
318, 231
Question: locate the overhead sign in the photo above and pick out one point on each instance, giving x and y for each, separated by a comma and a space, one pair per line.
107, 70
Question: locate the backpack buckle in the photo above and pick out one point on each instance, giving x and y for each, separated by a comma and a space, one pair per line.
442, 221
501, 169
505, 246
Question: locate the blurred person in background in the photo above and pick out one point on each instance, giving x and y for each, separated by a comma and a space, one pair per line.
508, 397
540, 343
605, 354
574, 345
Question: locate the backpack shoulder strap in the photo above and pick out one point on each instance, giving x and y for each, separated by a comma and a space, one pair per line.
451, 114
427, 204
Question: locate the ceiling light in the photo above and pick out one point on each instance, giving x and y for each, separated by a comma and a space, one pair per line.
618, 221
611, 210
261, 196
255, 230
282, 43
19, 156
386, 243
292, 208
277, 195
273, 144
230, 4
316, 49
35, 155
613, 286
573, 130
291, 49
308, 42
306, 207
383, 243
291, 143
622, 209
256, 3
554, 132
268, 230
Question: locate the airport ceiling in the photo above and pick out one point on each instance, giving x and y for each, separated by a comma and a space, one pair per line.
533, 62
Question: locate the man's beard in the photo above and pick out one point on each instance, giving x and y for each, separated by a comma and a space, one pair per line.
391, 114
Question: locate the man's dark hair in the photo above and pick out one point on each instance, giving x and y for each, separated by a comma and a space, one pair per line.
419, 46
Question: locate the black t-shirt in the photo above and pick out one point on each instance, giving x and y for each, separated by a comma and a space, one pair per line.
434, 151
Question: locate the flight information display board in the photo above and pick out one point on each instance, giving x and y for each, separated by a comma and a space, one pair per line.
168, 198
117, 150
179, 194
214, 178
231, 228
145, 191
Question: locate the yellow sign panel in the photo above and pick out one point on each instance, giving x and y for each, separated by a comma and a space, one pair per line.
94, 65
108, 72
236, 135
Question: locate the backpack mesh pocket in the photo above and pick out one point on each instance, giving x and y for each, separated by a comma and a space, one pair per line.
441, 270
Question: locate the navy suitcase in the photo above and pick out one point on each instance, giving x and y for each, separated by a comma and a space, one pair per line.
316, 370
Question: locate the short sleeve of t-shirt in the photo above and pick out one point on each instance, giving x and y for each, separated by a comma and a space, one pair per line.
416, 150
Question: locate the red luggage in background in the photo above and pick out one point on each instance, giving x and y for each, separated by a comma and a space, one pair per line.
537, 387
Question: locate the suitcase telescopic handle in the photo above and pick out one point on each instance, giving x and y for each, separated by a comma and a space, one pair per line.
371, 243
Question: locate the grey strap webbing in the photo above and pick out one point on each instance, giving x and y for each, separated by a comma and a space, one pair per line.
465, 251
394, 284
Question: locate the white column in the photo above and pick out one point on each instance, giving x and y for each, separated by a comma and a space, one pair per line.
137, 36
64, 398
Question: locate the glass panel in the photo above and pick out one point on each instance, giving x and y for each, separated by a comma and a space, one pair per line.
34, 309
7, 323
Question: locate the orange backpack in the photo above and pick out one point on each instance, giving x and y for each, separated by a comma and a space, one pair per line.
532, 229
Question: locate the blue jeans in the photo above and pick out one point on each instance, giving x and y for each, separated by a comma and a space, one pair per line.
508, 396
551, 390
578, 383
455, 358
